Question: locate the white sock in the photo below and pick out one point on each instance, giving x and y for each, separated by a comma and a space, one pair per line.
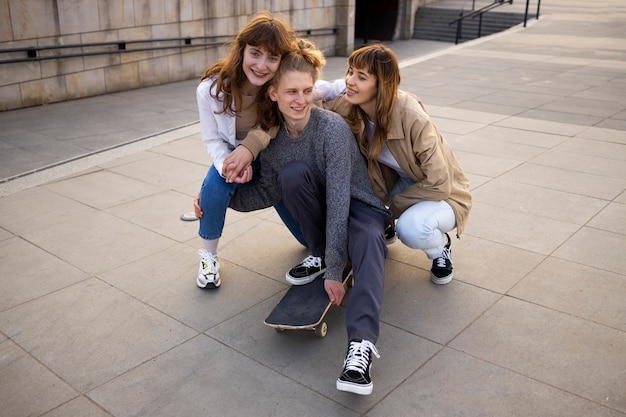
210, 245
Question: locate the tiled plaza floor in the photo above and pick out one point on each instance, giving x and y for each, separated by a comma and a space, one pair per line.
100, 314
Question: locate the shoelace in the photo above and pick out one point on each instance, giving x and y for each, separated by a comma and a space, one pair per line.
441, 261
312, 261
358, 356
209, 261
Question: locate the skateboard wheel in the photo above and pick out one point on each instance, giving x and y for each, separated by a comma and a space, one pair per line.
321, 330
279, 330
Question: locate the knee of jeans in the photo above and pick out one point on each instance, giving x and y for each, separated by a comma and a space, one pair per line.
415, 236
293, 175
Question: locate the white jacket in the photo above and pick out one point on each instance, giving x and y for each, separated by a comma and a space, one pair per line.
218, 130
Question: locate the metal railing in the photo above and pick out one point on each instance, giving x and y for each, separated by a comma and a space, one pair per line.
526, 11
480, 12
32, 53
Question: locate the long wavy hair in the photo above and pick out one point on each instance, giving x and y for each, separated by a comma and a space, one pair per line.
306, 57
381, 62
263, 30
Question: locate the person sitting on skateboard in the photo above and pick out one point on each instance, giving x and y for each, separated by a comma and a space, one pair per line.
314, 165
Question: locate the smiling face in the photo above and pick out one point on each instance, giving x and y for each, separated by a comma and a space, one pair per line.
294, 96
361, 89
259, 66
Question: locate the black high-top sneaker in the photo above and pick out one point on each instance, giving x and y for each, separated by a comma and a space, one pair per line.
356, 377
442, 270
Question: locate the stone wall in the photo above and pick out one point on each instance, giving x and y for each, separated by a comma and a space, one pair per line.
27, 23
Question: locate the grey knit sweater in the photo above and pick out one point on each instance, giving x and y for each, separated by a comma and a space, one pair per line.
329, 148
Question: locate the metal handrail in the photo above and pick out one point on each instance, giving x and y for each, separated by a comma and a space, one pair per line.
484, 10
121, 46
526, 11
473, 14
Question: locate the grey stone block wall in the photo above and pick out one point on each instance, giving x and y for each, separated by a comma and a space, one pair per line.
26, 23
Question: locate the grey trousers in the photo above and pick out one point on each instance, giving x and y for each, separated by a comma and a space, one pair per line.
305, 198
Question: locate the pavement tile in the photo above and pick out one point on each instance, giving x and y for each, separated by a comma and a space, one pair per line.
568, 181
36, 209
491, 265
475, 142
544, 126
102, 189
521, 230
583, 163
162, 171
167, 281
561, 117
205, 377
98, 242
601, 149
28, 272
611, 219
455, 126
5, 234
80, 406
551, 347
495, 108
466, 115
91, 332
598, 248
434, 312
456, 384
28, 388
609, 135
189, 148
538, 201
485, 165
573, 288
164, 221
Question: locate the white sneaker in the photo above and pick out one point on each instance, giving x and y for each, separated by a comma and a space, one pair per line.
209, 270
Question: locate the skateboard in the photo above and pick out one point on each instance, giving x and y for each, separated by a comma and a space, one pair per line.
303, 307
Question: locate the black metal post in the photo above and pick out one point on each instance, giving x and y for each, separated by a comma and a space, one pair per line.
459, 28
538, 4
526, 13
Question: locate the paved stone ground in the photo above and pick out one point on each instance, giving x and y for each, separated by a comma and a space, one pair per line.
100, 315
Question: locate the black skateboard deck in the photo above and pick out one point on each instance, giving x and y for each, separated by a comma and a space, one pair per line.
303, 307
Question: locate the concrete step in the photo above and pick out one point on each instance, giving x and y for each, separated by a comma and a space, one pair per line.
434, 22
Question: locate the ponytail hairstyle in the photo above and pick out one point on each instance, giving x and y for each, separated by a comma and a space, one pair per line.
263, 30
306, 57
381, 62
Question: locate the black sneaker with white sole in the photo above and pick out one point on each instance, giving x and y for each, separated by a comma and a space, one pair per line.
355, 377
442, 269
306, 271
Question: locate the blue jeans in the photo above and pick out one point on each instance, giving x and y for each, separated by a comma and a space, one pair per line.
215, 195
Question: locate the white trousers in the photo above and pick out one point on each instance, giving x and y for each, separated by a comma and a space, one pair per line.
424, 224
